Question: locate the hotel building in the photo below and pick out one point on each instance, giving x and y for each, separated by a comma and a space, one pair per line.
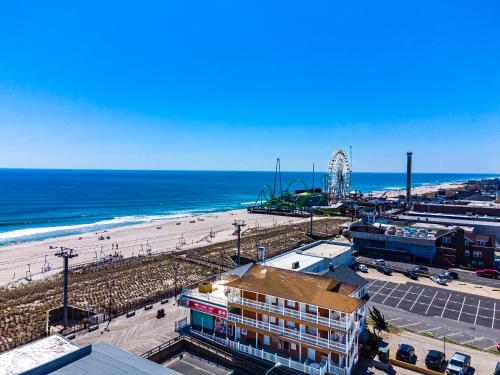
305, 321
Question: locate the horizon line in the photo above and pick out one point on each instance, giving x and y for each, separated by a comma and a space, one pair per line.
222, 170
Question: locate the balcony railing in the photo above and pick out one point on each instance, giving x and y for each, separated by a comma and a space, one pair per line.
332, 323
291, 333
314, 369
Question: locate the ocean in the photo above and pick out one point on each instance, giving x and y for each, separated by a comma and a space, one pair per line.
39, 204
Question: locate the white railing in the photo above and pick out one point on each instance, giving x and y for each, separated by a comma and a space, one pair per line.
206, 297
337, 324
291, 333
316, 369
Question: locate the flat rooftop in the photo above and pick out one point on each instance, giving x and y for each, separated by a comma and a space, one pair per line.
327, 249
286, 261
216, 296
447, 220
34, 354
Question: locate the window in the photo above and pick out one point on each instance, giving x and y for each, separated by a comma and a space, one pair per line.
446, 239
293, 346
290, 304
467, 242
265, 318
271, 300
477, 254
312, 309
312, 330
481, 243
467, 253
473, 263
244, 332
290, 324
481, 263
272, 319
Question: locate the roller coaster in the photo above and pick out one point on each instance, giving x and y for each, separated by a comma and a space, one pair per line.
275, 199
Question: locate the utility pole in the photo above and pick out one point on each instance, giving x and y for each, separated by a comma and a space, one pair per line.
238, 224
66, 254
311, 226
110, 284
175, 268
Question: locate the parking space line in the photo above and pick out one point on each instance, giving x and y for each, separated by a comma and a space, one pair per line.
390, 293
430, 304
401, 300
380, 289
465, 342
446, 304
451, 334
393, 319
416, 299
428, 330
408, 325
477, 311
493, 320
459, 315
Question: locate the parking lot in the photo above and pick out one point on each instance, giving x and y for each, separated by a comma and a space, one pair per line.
433, 311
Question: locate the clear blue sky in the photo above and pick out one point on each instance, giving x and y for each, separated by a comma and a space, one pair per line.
235, 84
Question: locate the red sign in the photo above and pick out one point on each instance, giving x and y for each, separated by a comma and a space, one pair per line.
207, 309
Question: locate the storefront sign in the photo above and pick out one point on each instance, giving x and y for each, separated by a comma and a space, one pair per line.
207, 309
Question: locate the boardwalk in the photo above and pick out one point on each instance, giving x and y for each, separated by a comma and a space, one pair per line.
139, 333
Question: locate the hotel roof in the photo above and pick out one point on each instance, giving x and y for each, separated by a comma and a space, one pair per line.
298, 286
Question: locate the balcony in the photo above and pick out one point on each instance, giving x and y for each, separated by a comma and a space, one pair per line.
331, 323
290, 333
313, 369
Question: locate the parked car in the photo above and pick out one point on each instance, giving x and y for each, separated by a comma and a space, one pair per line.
438, 280
450, 275
363, 268
420, 269
405, 353
488, 273
385, 270
498, 346
435, 360
411, 274
379, 262
459, 364
497, 369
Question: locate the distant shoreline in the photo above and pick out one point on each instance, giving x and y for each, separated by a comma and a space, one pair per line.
70, 216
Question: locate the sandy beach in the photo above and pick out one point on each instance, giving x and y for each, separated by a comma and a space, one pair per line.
132, 240
419, 190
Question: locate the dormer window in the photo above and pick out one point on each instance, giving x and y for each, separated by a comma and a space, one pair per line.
467, 242
447, 240
481, 243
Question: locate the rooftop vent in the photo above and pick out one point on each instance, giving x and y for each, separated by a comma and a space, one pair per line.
295, 265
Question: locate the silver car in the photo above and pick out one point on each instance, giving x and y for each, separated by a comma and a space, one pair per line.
459, 364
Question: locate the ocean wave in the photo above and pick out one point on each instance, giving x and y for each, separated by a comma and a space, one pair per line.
46, 232
393, 188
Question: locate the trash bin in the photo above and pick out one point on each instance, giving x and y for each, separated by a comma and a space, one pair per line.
383, 352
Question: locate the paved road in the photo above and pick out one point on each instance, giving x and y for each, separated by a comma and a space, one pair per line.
462, 317
465, 276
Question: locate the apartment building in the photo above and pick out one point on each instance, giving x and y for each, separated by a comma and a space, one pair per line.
305, 321
457, 247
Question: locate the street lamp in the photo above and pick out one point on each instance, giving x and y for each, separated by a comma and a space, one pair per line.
277, 364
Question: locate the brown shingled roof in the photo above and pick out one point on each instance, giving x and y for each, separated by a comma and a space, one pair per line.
298, 286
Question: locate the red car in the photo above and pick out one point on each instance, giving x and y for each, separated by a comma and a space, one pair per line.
498, 346
494, 274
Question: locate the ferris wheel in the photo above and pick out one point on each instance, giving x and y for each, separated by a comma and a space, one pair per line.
339, 174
